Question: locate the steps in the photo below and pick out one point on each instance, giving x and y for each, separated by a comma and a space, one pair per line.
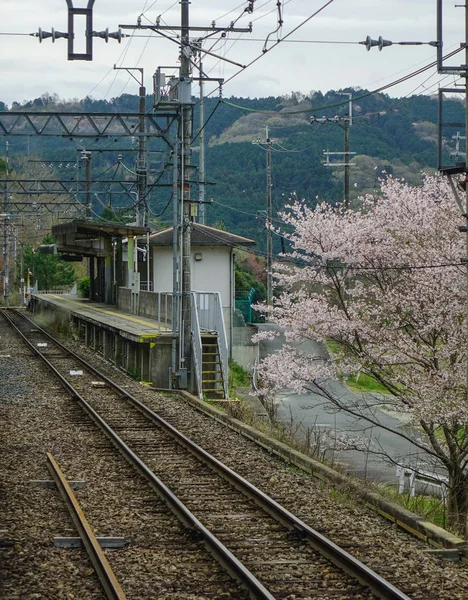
212, 373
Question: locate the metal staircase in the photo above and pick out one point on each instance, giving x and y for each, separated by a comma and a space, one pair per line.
209, 343
212, 372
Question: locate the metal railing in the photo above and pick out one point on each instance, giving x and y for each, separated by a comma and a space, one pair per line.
164, 310
54, 292
156, 306
197, 346
207, 316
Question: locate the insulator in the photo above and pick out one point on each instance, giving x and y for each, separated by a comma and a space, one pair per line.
384, 43
43, 35
116, 35
105, 35
58, 34
370, 43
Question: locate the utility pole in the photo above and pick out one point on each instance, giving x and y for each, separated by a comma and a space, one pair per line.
142, 212
173, 100
141, 208
201, 161
347, 165
6, 223
185, 134
344, 123
465, 75
268, 224
86, 158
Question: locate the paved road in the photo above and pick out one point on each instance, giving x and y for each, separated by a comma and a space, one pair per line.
311, 410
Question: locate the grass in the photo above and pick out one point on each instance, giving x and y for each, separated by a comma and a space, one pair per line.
358, 382
429, 507
365, 383
238, 376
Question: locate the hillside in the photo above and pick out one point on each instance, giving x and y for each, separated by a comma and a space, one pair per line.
388, 135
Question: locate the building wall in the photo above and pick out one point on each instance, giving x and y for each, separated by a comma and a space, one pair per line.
210, 274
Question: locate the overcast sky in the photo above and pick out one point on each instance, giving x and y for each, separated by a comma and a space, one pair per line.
29, 69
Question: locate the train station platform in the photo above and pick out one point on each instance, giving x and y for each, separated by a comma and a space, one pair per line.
138, 345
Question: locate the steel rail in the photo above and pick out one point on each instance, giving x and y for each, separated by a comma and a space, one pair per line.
339, 557
221, 554
101, 565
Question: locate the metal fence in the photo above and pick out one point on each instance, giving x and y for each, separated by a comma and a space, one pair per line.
207, 316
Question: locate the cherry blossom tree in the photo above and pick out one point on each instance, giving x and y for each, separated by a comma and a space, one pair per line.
386, 284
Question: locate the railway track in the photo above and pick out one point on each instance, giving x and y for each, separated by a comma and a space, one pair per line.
268, 550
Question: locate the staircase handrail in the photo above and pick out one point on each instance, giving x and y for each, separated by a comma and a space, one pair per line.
197, 346
211, 319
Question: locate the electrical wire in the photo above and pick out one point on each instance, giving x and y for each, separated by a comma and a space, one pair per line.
206, 121
353, 267
243, 212
159, 214
266, 50
344, 102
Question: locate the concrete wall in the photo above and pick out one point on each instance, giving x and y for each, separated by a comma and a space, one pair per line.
160, 363
124, 298
244, 351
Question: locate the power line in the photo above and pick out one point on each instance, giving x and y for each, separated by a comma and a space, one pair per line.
343, 102
266, 50
337, 264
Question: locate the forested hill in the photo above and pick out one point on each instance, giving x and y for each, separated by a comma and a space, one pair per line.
388, 135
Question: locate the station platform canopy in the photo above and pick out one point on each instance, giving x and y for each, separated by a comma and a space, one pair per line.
91, 238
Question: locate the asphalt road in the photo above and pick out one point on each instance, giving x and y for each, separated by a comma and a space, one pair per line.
311, 411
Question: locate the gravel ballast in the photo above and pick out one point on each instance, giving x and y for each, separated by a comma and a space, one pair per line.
36, 419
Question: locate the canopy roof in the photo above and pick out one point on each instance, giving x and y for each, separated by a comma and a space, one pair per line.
202, 235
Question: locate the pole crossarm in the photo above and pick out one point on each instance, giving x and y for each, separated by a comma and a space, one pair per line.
80, 125
52, 207
211, 29
58, 187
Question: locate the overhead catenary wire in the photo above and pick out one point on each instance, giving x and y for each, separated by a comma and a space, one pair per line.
290, 258
344, 102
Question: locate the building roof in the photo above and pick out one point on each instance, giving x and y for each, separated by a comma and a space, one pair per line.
91, 238
202, 235
96, 227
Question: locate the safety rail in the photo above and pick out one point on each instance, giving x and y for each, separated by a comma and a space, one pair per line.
52, 292
164, 309
197, 346
152, 305
207, 316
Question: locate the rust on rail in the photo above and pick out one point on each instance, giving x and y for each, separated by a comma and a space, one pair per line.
100, 563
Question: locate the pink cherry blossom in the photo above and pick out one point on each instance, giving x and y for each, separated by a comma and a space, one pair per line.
386, 284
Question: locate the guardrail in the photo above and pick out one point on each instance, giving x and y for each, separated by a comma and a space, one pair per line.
197, 346
208, 309
424, 478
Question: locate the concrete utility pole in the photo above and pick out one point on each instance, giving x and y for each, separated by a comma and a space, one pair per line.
6, 224
268, 223
173, 100
465, 75
449, 171
86, 158
141, 209
185, 134
142, 212
344, 123
201, 161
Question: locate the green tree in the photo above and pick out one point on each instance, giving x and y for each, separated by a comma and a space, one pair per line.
47, 269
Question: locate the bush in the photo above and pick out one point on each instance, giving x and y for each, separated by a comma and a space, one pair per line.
83, 288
